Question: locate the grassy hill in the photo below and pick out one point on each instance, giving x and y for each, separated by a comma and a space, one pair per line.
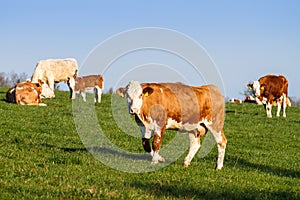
43, 156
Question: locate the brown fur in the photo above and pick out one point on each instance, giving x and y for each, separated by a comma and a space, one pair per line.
272, 87
90, 81
25, 93
182, 103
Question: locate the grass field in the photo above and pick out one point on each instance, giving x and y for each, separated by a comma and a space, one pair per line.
43, 157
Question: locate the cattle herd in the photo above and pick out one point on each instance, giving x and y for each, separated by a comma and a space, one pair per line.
156, 106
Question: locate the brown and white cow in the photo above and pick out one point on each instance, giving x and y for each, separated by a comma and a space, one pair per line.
80, 85
161, 106
271, 88
26, 93
56, 70
233, 100
121, 91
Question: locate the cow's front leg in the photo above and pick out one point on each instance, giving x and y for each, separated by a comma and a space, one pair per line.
269, 109
156, 147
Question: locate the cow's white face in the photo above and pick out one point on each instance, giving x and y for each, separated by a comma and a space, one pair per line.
134, 98
256, 88
47, 92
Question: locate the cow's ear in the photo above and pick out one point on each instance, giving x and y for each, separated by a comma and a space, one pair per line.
249, 86
147, 91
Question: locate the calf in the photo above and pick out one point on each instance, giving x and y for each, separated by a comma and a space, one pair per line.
161, 106
94, 82
269, 89
121, 91
26, 93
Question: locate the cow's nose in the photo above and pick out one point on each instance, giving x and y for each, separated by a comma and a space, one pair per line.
132, 111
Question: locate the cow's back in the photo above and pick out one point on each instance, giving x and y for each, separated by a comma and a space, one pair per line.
59, 70
90, 81
184, 103
273, 85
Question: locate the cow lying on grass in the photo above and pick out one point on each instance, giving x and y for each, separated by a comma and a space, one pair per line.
27, 93
161, 106
81, 84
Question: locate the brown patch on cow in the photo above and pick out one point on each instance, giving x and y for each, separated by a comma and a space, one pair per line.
156, 143
224, 140
272, 87
174, 101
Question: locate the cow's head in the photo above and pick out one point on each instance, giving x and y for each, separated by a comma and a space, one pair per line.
255, 87
135, 95
47, 92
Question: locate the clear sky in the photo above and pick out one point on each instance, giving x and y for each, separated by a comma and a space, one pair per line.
245, 39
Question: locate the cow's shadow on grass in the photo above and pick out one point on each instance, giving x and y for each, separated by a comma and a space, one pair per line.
173, 190
104, 151
236, 162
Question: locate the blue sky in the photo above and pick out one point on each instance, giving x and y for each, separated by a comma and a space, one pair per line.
245, 39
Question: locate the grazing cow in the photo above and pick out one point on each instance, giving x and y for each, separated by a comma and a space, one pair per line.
121, 91
94, 82
161, 106
54, 71
26, 93
269, 89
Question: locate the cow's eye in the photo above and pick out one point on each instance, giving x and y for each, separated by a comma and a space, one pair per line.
141, 96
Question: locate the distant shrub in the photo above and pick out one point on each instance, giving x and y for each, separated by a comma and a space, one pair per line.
12, 78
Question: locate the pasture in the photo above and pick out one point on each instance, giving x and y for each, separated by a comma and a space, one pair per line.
42, 157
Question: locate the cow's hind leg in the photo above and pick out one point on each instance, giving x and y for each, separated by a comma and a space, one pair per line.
221, 143
284, 105
83, 94
194, 147
279, 102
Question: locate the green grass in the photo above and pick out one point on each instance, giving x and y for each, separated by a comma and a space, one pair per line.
43, 157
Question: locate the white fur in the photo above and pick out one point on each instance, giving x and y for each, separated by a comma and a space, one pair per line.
134, 99
256, 88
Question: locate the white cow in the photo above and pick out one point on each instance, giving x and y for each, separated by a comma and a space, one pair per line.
53, 71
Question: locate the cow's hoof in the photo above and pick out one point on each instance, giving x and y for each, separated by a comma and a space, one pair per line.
161, 159
186, 164
218, 168
154, 162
